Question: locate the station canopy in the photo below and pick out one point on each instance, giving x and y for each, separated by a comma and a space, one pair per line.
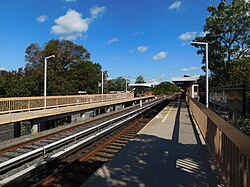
184, 81
142, 85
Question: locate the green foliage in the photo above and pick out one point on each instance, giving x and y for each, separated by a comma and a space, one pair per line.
227, 32
69, 72
117, 84
166, 88
85, 76
241, 72
140, 79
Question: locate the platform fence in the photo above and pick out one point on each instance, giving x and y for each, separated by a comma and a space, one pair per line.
19, 104
230, 147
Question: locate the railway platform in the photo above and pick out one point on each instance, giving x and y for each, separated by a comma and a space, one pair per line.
26, 122
168, 151
35, 114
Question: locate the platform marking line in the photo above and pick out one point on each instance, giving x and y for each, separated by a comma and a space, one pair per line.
171, 110
167, 114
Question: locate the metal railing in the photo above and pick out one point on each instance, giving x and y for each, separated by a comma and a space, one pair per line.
231, 148
16, 104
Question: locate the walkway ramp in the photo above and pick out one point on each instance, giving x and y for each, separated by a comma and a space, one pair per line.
168, 151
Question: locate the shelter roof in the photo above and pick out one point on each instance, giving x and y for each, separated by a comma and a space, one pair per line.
141, 85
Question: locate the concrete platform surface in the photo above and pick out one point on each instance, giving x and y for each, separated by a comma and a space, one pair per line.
168, 151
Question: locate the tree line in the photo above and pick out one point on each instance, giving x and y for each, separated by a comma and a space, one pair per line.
69, 72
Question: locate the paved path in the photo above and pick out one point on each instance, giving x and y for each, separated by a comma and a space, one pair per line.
167, 152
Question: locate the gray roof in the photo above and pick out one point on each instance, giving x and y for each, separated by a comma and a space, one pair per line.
184, 79
142, 85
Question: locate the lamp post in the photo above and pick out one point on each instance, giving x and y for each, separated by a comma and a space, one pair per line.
127, 83
206, 44
102, 86
103, 82
45, 78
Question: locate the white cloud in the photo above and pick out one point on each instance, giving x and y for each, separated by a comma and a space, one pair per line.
96, 11
70, 0
203, 34
187, 36
161, 55
137, 33
190, 69
42, 19
175, 5
113, 40
157, 80
142, 49
2, 69
69, 23
71, 26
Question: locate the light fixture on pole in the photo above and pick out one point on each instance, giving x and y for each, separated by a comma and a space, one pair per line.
127, 83
103, 82
206, 44
45, 78
102, 86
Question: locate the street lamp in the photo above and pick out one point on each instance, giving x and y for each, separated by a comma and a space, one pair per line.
206, 44
102, 83
45, 78
102, 86
127, 83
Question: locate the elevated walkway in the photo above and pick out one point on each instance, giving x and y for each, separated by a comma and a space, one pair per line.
168, 151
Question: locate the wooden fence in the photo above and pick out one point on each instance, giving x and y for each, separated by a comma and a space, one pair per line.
16, 104
230, 146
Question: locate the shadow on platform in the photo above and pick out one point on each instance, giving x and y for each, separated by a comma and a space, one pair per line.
153, 161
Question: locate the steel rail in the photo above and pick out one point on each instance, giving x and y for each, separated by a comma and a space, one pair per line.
83, 142
7, 165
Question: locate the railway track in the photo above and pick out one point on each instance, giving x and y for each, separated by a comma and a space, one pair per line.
54, 149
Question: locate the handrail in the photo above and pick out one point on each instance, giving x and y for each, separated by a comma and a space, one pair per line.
16, 104
230, 147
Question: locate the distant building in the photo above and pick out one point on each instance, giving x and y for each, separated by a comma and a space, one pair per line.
139, 88
188, 85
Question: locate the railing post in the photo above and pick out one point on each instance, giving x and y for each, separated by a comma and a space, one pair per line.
9, 105
29, 104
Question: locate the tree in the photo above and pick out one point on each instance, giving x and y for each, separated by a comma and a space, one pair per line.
227, 32
165, 88
241, 72
3, 75
70, 71
117, 84
84, 76
140, 79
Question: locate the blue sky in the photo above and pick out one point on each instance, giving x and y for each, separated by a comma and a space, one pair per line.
127, 37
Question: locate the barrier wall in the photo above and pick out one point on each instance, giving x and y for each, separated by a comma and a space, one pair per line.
230, 146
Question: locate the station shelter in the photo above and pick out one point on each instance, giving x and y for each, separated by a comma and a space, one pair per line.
139, 89
188, 85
